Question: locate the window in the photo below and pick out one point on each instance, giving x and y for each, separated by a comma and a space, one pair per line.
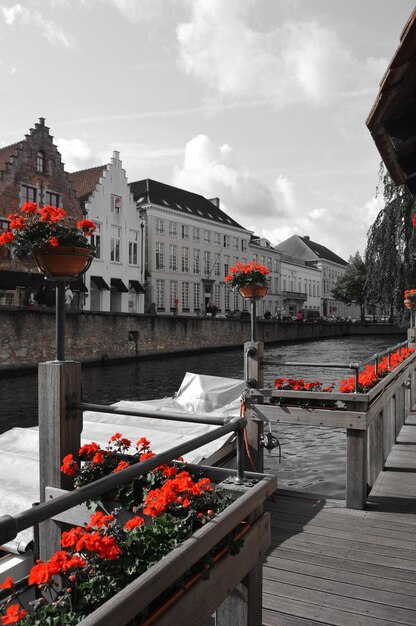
96, 240
196, 234
207, 236
244, 245
160, 256
317, 290
227, 298
185, 259
197, 261
262, 262
133, 247
226, 241
4, 250
217, 266
236, 300
160, 226
207, 261
276, 265
160, 294
197, 296
314, 288
115, 244
52, 198
235, 243
269, 264
173, 258
276, 285
185, 296
217, 239
226, 264
300, 285
217, 295
284, 283
40, 162
173, 293
28, 194
173, 229
115, 204
185, 231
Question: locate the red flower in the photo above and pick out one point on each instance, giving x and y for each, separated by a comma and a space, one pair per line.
87, 227
135, 522
414, 220
13, 614
6, 237
99, 520
122, 465
69, 465
89, 449
54, 241
8, 583
143, 443
29, 207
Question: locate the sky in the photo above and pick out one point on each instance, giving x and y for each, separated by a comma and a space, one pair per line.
261, 103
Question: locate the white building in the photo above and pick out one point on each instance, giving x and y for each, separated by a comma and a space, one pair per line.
116, 276
301, 287
330, 266
264, 253
190, 245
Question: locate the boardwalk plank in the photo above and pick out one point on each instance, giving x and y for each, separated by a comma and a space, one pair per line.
332, 566
341, 603
390, 578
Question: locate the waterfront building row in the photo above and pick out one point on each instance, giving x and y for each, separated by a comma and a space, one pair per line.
158, 248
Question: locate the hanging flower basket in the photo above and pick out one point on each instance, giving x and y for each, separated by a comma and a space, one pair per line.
254, 291
409, 304
66, 262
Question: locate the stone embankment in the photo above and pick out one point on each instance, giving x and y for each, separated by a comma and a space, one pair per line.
27, 336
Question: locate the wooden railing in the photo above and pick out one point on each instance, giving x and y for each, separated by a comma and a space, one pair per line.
372, 420
234, 588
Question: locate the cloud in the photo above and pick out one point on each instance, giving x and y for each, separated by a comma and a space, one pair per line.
78, 155
53, 32
287, 190
210, 170
295, 61
142, 10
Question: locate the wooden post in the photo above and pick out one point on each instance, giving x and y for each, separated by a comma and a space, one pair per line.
254, 378
356, 493
375, 449
59, 434
389, 429
400, 408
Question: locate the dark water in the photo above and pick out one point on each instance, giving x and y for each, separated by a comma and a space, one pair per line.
313, 458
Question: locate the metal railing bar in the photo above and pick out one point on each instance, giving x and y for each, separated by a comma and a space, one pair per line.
347, 366
163, 415
11, 525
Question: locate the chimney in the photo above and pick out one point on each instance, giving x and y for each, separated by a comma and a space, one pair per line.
215, 201
306, 237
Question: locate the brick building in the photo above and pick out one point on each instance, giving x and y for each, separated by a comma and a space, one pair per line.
30, 170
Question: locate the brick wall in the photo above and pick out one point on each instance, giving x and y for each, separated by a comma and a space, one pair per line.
27, 336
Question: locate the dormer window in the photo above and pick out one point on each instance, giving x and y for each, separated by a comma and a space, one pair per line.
40, 162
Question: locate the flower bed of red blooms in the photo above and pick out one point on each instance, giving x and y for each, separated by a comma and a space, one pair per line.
100, 559
242, 274
410, 294
367, 379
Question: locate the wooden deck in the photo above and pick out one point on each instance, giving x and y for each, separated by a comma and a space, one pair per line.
342, 567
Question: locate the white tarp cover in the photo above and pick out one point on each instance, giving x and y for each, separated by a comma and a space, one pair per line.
198, 394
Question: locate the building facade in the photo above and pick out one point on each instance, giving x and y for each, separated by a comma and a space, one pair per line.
30, 171
190, 246
264, 253
330, 267
301, 287
115, 278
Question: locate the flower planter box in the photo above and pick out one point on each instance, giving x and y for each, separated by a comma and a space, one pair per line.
149, 596
372, 421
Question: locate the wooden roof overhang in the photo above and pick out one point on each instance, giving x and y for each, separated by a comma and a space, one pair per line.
392, 119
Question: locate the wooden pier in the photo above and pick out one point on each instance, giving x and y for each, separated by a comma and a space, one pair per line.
329, 565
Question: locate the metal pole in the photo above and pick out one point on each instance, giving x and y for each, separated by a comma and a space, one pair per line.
253, 319
60, 320
239, 479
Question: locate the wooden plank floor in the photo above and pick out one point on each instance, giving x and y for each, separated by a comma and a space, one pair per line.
334, 566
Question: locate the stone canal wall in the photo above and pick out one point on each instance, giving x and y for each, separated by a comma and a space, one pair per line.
27, 336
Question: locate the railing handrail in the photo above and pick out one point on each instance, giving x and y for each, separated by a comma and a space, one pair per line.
11, 525
201, 418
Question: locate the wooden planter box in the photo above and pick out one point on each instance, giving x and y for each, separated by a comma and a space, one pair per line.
197, 603
372, 421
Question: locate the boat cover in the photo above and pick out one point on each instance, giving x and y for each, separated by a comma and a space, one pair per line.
198, 394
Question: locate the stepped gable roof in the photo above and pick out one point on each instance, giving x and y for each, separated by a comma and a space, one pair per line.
322, 252
7, 153
187, 202
85, 181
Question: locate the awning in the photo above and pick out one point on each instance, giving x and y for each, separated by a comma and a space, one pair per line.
78, 285
99, 282
138, 288
11, 280
118, 285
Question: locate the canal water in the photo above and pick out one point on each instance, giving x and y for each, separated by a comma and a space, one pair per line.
313, 459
